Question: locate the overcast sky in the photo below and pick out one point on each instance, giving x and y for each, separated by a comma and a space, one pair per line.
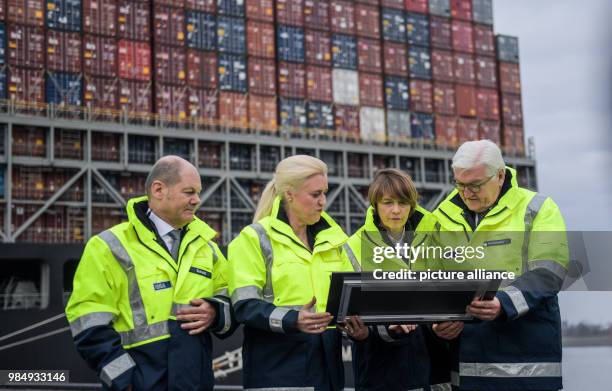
566, 71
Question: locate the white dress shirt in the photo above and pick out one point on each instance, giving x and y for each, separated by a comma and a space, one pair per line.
163, 228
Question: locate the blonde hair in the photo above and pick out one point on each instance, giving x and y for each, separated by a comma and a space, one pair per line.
290, 174
393, 183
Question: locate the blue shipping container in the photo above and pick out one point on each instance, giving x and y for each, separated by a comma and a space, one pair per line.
231, 7
507, 48
231, 37
293, 113
201, 30
64, 88
290, 43
232, 73
344, 51
320, 116
64, 14
417, 29
2, 44
3, 83
440, 8
419, 60
397, 93
422, 126
394, 25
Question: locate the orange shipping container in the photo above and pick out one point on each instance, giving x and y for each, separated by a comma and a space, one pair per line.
201, 69
509, 77
316, 14
202, 104
395, 58
421, 96
30, 12
170, 65
342, 16
486, 72
489, 130
135, 96
100, 93
487, 106
262, 76
368, 55
262, 112
461, 9
465, 98
233, 109
513, 140
290, 12
291, 80
484, 40
464, 68
317, 46
446, 131
442, 65
134, 60
371, 90
203, 5
463, 36
467, 130
512, 109
171, 100
319, 83
260, 39
444, 99
367, 19
260, 10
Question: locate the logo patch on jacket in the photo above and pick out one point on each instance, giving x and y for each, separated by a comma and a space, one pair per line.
158, 286
201, 272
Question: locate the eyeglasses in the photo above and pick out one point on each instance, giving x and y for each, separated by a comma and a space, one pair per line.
473, 187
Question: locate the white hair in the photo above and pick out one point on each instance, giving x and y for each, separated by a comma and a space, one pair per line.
474, 153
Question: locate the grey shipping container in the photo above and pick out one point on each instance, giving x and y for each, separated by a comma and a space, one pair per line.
232, 73
440, 7
231, 36
398, 125
393, 25
419, 62
344, 51
64, 14
231, 7
417, 29
290, 43
64, 88
482, 11
320, 116
507, 48
397, 93
422, 126
201, 30
293, 113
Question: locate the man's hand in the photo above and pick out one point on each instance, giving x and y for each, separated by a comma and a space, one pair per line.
198, 317
402, 328
485, 309
355, 328
312, 322
447, 330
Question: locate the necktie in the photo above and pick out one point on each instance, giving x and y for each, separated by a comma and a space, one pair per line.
176, 242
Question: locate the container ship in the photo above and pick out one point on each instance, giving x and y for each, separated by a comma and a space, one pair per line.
93, 92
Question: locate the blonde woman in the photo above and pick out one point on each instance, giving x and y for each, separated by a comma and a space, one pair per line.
280, 269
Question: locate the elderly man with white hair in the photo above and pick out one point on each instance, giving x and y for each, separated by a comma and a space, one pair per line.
515, 344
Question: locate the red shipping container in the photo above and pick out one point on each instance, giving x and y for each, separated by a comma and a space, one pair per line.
487, 104
262, 76
461, 9
202, 104
173, 3
204, 5
444, 98
100, 17
290, 12
100, 93
342, 16
510, 77
440, 32
171, 101
319, 83
367, 21
133, 20
346, 120
316, 14
395, 58
291, 80
134, 59
26, 46
371, 90
398, 4
260, 39
262, 113
135, 96
317, 47
513, 140
442, 65
446, 131
30, 12
99, 56
233, 109
467, 130
169, 25
368, 55
416, 6
512, 110
63, 51
464, 68
463, 39
421, 96
486, 72
489, 130
260, 10
201, 69
2, 17
465, 97
484, 42
170, 65
26, 85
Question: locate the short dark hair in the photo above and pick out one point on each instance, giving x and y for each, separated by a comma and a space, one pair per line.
393, 183
166, 170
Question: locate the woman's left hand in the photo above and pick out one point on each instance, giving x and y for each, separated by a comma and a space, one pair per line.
355, 328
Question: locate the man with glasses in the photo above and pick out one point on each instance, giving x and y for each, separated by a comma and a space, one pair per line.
515, 344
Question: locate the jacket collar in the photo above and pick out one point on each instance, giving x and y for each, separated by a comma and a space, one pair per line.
373, 224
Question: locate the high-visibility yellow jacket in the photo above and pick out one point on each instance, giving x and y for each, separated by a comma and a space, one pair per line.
523, 233
272, 275
127, 289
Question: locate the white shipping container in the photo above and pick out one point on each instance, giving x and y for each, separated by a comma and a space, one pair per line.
372, 124
346, 87
398, 125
